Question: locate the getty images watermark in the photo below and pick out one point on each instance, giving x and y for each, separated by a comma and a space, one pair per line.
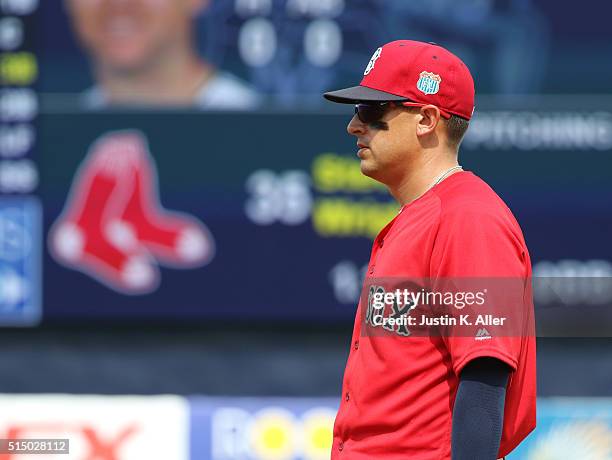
484, 308
464, 307
405, 297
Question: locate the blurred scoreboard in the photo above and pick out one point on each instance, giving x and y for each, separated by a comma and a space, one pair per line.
20, 210
292, 48
259, 216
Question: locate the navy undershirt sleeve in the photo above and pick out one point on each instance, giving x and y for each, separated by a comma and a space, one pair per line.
478, 414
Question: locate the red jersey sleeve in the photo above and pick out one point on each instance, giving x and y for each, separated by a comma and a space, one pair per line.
480, 246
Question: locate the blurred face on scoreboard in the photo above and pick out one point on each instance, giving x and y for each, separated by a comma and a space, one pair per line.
130, 34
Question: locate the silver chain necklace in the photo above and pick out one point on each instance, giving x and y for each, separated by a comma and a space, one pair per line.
438, 179
443, 176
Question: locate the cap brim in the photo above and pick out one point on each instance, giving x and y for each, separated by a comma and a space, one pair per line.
357, 94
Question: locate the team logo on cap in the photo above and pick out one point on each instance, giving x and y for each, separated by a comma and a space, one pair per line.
375, 56
429, 83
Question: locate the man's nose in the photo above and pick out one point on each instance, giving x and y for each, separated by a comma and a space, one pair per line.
356, 126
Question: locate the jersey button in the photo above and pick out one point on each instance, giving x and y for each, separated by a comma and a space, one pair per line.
347, 397
341, 445
356, 344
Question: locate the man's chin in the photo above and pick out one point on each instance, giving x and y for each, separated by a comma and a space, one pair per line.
367, 169
124, 61
372, 172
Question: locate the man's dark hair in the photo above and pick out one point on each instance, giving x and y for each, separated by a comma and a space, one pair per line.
456, 127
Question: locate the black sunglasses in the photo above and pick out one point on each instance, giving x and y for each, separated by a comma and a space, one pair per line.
373, 112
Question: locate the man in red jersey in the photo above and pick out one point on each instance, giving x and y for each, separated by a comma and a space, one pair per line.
457, 395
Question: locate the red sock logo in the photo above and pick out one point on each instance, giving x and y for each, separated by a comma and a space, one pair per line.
113, 226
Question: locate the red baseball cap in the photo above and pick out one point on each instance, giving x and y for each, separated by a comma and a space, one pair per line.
415, 73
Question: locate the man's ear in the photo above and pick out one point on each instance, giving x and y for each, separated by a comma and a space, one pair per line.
428, 119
